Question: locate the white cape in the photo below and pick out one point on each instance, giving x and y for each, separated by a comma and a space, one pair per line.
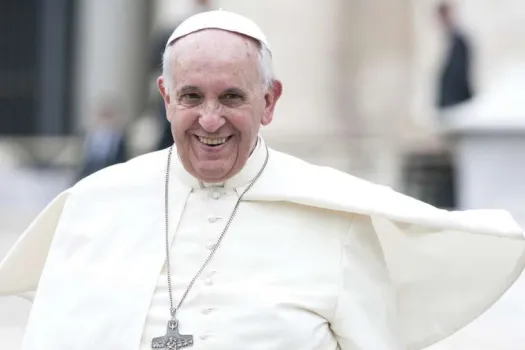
447, 267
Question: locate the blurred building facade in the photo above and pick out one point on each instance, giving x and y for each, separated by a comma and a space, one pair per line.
359, 77
36, 45
359, 90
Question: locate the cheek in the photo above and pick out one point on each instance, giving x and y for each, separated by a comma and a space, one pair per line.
182, 121
245, 123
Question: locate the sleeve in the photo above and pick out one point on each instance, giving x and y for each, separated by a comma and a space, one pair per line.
21, 268
365, 316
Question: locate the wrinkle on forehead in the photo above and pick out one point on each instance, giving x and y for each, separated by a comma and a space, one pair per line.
217, 51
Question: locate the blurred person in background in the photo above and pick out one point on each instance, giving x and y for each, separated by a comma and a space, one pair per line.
220, 242
454, 77
105, 142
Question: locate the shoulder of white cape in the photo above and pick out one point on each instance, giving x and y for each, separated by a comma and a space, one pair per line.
290, 179
286, 178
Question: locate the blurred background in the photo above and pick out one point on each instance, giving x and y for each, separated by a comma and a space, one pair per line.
424, 96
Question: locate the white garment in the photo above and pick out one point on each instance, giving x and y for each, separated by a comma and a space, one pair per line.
301, 267
278, 278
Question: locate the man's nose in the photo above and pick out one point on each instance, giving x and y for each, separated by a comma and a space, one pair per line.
211, 120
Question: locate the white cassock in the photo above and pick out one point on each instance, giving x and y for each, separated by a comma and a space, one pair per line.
314, 259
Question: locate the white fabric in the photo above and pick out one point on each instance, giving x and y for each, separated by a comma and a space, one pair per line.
219, 19
302, 266
245, 294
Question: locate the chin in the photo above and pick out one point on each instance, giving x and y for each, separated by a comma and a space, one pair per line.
212, 177
213, 172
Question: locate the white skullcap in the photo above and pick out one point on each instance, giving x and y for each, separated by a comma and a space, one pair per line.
219, 19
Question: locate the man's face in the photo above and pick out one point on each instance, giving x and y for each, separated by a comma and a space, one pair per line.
216, 102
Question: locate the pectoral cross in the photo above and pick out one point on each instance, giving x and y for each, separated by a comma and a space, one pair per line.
173, 340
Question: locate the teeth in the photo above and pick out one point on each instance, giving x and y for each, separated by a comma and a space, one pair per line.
210, 141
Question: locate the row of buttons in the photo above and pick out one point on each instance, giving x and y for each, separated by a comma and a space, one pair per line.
210, 246
212, 220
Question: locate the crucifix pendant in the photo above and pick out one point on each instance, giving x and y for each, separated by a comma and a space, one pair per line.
173, 340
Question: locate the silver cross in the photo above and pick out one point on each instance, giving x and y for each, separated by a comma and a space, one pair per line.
173, 340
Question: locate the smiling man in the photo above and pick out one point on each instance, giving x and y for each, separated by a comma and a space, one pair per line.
219, 242
218, 91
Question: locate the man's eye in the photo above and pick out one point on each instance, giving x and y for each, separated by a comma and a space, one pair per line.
232, 99
230, 96
191, 97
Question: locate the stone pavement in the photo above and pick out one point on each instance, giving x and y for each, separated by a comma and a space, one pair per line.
24, 193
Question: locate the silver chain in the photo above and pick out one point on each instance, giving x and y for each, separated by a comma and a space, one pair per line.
212, 253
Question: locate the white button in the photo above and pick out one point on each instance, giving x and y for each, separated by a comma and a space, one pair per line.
203, 336
213, 219
206, 311
215, 195
210, 246
208, 282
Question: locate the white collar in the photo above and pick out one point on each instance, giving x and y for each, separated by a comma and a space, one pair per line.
241, 179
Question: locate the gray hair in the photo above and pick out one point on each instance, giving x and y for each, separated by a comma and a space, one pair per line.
265, 67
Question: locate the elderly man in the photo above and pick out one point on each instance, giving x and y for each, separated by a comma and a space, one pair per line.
222, 243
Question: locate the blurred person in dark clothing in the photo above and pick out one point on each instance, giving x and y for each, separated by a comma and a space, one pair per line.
105, 144
454, 78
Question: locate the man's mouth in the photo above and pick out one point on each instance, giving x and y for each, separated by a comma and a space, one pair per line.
213, 141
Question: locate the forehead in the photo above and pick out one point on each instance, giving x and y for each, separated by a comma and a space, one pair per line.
214, 52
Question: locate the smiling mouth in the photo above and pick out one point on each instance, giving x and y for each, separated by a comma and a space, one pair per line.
213, 141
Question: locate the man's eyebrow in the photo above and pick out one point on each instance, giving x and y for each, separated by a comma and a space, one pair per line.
187, 89
234, 90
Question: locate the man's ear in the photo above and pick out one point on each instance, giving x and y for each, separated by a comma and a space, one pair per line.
163, 89
271, 98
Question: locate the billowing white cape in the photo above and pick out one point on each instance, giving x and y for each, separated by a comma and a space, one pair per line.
447, 267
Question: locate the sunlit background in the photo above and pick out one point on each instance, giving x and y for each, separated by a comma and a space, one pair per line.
362, 80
